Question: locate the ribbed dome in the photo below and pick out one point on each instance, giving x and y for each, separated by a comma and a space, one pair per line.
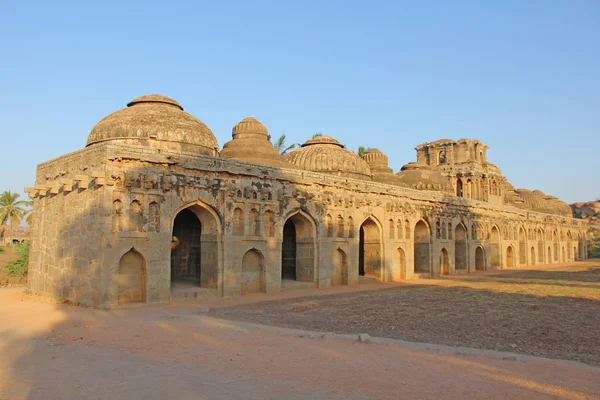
378, 162
251, 144
327, 155
157, 121
421, 176
538, 201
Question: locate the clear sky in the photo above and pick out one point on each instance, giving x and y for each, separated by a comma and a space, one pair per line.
522, 76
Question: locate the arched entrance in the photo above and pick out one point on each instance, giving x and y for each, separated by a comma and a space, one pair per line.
460, 247
253, 272
444, 267
495, 247
194, 248
540, 249
510, 257
401, 264
422, 239
522, 247
369, 251
549, 255
459, 188
340, 269
479, 259
298, 249
532, 255
132, 278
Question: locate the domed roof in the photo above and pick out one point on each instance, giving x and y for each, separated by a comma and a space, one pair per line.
421, 176
538, 201
327, 155
378, 162
251, 144
157, 121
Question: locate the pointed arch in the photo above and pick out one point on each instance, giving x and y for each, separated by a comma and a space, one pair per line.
253, 272
370, 250
460, 247
131, 278
340, 226
444, 262
422, 243
510, 257
480, 259
522, 246
196, 236
298, 253
328, 225
495, 246
339, 273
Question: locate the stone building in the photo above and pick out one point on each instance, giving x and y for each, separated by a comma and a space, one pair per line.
153, 209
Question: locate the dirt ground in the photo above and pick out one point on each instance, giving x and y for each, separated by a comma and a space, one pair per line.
180, 351
547, 311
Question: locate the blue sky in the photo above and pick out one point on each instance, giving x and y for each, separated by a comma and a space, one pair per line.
522, 76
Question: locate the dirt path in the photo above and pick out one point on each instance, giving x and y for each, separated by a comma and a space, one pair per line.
178, 352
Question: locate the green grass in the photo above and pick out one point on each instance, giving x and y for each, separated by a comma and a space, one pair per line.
19, 266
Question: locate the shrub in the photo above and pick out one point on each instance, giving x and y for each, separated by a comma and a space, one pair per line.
19, 266
1, 249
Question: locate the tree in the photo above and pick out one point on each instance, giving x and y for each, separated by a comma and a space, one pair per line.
362, 150
12, 210
279, 145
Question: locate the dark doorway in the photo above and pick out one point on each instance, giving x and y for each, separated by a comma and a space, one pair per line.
369, 250
361, 252
480, 259
288, 251
185, 248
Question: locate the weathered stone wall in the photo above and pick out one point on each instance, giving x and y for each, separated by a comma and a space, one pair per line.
94, 206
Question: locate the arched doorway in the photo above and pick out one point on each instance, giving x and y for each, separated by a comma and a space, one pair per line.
510, 257
194, 248
401, 265
340, 269
132, 278
522, 247
253, 272
549, 255
495, 247
369, 251
479, 259
422, 239
460, 247
444, 267
540, 249
532, 255
298, 249
459, 188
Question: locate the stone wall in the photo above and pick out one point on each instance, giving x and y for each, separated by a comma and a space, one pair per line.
94, 206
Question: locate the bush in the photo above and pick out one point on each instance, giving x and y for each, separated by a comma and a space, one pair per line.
19, 266
2, 250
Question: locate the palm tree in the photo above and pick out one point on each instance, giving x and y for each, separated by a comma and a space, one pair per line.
279, 145
12, 210
362, 150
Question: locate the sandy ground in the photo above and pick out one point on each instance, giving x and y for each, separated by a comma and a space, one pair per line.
545, 311
53, 351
